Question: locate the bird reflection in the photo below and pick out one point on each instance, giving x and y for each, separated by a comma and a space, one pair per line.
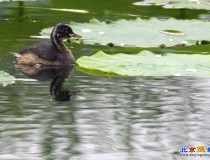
57, 75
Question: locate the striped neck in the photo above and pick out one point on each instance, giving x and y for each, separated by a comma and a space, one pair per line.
56, 42
60, 46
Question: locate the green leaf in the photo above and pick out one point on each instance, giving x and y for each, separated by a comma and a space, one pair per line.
5, 78
192, 4
146, 63
141, 33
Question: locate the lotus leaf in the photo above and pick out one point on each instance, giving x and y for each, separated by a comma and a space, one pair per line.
5, 78
192, 4
141, 33
146, 63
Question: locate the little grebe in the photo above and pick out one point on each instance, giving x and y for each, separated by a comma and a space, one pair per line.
54, 53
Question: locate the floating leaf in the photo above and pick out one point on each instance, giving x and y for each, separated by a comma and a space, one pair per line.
146, 63
141, 33
69, 10
192, 4
5, 78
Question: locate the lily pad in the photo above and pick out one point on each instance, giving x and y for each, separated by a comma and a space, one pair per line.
146, 63
191, 4
6, 78
141, 33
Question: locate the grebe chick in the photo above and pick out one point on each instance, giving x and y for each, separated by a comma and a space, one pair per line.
54, 53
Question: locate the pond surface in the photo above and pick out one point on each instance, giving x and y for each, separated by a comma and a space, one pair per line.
102, 118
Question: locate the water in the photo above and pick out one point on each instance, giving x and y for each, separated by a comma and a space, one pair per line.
117, 118
94, 118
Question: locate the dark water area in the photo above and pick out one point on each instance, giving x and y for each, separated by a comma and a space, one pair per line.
69, 115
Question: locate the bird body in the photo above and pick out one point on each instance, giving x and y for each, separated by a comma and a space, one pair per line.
54, 53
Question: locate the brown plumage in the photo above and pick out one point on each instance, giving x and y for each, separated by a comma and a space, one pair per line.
54, 53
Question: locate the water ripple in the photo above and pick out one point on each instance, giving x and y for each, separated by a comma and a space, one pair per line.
112, 118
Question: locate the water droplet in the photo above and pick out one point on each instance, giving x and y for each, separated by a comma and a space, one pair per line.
122, 44
177, 74
158, 55
184, 42
191, 70
101, 33
172, 32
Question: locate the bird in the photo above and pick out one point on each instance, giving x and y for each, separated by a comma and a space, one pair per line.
53, 53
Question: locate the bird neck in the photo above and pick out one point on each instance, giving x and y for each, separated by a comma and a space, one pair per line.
60, 46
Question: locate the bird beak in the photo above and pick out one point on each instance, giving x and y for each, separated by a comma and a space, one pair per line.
75, 35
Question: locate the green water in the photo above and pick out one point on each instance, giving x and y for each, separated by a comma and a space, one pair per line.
119, 118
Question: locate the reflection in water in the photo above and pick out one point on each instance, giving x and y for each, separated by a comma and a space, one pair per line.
20, 11
120, 118
57, 74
